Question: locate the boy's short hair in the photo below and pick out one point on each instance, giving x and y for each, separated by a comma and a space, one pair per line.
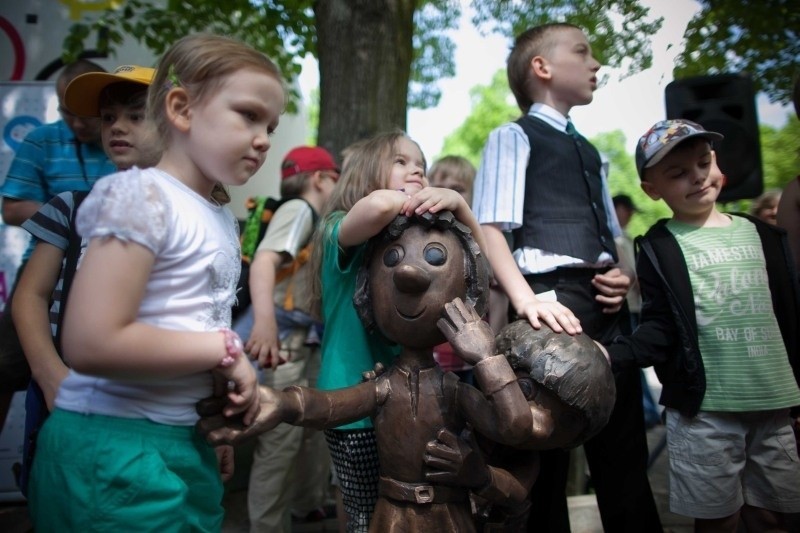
82, 96
663, 137
299, 163
529, 44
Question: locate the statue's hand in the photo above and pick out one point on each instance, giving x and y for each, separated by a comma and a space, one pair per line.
472, 338
219, 429
453, 460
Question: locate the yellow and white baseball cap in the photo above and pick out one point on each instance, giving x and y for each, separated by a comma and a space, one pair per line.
82, 96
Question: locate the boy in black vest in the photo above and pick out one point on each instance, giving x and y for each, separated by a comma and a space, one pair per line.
543, 183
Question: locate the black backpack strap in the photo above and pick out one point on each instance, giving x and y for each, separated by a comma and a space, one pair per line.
72, 255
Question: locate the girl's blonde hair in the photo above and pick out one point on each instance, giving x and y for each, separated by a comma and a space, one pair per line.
200, 63
366, 168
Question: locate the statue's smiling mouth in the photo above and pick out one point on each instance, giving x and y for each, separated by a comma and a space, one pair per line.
410, 317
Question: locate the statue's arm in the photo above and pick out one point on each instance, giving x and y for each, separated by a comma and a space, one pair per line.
328, 409
299, 406
499, 409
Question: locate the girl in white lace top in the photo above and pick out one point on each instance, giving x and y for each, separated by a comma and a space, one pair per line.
146, 327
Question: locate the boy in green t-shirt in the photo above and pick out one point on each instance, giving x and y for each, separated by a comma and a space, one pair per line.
720, 325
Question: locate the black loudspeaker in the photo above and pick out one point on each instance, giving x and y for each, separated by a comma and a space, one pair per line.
725, 103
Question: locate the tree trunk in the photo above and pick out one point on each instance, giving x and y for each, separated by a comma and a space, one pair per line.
364, 50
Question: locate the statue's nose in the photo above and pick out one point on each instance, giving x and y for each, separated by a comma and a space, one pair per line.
411, 279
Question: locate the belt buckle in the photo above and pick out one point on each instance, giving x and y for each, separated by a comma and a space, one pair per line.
423, 493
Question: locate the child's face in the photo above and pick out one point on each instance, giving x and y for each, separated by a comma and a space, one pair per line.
408, 167
688, 179
571, 69
125, 137
769, 211
449, 181
227, 133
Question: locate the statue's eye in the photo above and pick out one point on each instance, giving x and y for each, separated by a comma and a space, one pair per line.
435, 254
392, 256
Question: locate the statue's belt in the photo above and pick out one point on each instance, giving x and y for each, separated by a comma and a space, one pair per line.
420, 492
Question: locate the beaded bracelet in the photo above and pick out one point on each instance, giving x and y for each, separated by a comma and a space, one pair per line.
233, 347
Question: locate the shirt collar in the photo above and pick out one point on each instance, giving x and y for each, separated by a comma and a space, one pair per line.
549, 115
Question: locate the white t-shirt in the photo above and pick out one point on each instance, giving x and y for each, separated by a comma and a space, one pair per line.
191, 286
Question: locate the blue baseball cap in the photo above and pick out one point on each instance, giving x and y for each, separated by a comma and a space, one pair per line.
663, 137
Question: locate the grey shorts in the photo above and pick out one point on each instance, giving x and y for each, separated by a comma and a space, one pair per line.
720, 461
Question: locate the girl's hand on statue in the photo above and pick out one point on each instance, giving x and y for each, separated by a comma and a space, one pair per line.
555, 315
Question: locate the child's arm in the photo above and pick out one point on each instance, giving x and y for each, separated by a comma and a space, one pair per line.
103, 337
31, 313
657, 336
520, 294
369, 216
435, 199
263, 344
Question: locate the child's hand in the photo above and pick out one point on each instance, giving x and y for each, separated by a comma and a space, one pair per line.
219, 429
263, 345
612, 286
555, 315
433, 199
225, 461
242, 390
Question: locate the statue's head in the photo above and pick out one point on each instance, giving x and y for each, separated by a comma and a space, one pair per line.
565, 376
411, 269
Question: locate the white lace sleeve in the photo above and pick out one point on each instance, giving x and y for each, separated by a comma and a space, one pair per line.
129, 206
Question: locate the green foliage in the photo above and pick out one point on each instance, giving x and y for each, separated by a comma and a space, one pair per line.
433, 52
312, 108
284, 30
780, 153
619, 30
491, 107
761, 38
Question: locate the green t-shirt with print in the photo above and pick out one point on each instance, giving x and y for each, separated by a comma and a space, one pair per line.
745, 360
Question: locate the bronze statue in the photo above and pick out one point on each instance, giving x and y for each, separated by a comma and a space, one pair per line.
570, 391
424, 280
413, 269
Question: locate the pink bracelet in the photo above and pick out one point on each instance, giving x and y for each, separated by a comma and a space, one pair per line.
233, 347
